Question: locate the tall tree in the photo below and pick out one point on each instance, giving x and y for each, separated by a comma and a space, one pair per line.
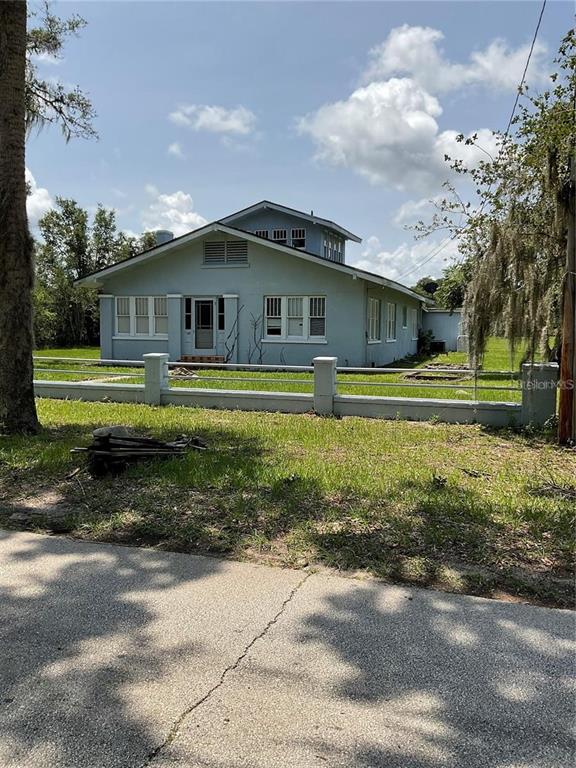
71, 246
452, 285
516, 238
26, 100
17, 408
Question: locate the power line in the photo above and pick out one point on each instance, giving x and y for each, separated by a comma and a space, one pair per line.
519, 91
445, 243
435, 251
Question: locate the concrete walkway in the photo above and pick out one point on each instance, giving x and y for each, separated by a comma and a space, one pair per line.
111, 656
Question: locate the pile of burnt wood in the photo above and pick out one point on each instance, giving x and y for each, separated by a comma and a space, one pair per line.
113, 448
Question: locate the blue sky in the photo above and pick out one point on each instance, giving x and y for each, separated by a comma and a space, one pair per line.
346, 108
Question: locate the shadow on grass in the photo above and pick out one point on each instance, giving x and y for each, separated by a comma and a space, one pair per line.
237, 499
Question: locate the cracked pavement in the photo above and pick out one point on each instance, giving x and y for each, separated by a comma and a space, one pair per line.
116, 657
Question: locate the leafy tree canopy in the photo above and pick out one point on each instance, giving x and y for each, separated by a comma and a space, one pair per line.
513, 241
48, 101
426, 286
72, 246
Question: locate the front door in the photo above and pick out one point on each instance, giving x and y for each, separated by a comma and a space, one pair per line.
199, 337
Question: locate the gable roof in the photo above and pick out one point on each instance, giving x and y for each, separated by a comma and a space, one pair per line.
94, 278
263, 204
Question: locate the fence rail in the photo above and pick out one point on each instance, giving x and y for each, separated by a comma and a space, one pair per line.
327, 380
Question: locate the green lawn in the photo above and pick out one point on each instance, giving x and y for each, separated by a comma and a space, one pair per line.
400, 385
84, 352
79, 370
456, 507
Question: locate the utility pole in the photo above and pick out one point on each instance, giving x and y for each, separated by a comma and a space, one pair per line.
567, 409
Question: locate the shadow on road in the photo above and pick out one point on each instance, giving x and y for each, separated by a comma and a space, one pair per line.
464, 683
69, 660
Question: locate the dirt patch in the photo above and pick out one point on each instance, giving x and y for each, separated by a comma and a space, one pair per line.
48, 509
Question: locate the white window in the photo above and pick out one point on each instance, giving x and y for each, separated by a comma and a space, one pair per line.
404, 316
123, 315
261, 233
317, 307
391, 322
299, 238
414, 323
374, 319
333, 248
160, 315
280, 236
141, 316
225, 252
295, 318
273, 316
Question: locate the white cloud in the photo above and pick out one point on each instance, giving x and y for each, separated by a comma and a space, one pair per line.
175, 150
417, 52
404, 263
47, 58
414, 210
203, 117
151, 190
38, 202
174, 212
387, 132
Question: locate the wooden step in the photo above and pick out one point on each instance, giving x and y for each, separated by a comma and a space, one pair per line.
202, 359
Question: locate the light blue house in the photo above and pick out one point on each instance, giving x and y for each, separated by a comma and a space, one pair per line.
267, 284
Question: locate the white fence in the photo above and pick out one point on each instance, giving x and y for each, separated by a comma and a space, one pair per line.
537, 382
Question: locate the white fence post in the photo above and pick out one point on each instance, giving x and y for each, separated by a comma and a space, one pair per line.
539, 391
155, 376
324, 385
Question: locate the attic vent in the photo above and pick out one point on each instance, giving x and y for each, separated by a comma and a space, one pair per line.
225, 252
236, 252
214, 253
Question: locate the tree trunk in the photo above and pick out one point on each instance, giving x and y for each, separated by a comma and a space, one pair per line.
567, 409
17, 408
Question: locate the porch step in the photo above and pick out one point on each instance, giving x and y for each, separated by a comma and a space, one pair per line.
202, 359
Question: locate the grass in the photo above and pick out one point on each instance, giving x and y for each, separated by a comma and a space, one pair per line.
399, 385
455, 507
84, 352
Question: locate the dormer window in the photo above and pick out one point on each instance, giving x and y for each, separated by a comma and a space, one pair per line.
279, 236
298, 238
333, 248
261, 233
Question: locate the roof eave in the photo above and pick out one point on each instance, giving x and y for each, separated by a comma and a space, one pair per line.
95, 280
309, 217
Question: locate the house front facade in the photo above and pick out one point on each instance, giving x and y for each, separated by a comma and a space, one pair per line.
266, 285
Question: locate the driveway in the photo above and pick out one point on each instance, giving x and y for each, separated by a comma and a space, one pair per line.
119, 657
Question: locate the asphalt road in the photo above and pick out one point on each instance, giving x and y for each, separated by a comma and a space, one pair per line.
113, 657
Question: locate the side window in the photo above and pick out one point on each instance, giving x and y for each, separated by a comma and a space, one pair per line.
374, 319
391, 322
